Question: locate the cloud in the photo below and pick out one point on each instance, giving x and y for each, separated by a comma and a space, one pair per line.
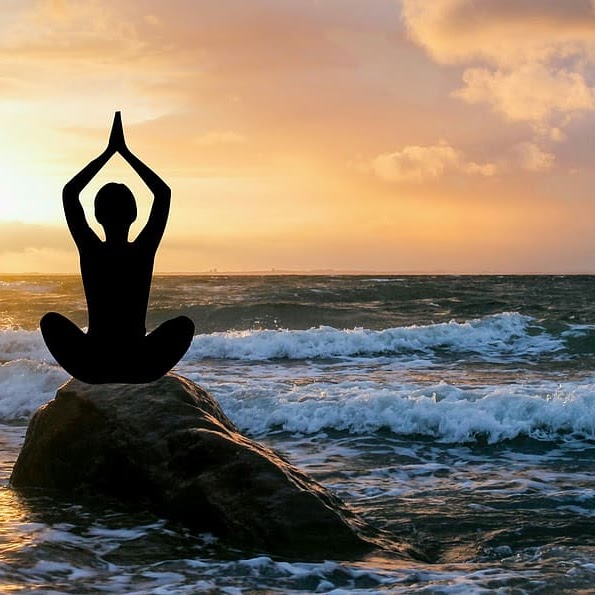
27, 247
77, 58
72, 31
530, 157
18, 237
501, 32
531, 93
261, 67
529, 60
228, 36
418, 164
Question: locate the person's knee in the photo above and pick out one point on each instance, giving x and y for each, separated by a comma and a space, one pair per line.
59, 331
49, 318
50, 321
181, 326
180, 329
185, 325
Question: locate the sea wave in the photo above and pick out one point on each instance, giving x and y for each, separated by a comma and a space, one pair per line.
441, 412
496, 336
25, 386
366, 400
16, 344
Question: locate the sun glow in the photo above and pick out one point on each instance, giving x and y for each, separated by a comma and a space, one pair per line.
26, 196
350, 142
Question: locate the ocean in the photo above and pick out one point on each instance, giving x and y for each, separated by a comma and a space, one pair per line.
457, 412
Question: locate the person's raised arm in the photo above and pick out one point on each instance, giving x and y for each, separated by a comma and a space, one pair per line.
153, 230
75, 215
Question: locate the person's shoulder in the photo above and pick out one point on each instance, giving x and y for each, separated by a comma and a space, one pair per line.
88, 240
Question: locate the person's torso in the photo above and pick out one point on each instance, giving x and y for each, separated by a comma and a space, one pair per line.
117, 282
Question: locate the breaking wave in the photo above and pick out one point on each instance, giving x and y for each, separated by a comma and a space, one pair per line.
442, 412
496, 336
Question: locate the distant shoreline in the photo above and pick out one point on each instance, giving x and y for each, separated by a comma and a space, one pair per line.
322, 273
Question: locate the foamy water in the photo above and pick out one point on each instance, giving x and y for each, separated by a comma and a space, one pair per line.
499, 336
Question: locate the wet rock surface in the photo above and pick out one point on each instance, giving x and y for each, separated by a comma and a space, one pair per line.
168, 447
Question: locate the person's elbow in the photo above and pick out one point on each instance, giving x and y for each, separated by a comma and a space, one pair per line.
69, 193
164, 194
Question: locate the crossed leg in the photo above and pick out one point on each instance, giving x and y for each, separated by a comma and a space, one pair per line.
165, 346
116, 359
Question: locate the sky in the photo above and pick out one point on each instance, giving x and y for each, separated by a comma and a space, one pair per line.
411, 136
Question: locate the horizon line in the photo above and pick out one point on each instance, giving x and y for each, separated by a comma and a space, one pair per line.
321, 272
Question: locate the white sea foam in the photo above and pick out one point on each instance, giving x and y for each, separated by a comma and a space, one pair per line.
578, 330
21, 344
352, 400
26, 385
444, 412
497, 336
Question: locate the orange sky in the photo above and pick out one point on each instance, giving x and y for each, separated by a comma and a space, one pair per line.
412, 136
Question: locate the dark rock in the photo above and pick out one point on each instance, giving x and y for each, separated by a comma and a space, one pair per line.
167, 446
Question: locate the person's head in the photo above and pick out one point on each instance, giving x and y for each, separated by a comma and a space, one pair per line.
115, 205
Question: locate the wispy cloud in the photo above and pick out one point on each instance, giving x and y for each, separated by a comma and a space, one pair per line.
531, 157
419, 164
530, 60
20, 237
532, 92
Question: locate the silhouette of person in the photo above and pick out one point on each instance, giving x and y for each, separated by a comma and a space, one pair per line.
116, 278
